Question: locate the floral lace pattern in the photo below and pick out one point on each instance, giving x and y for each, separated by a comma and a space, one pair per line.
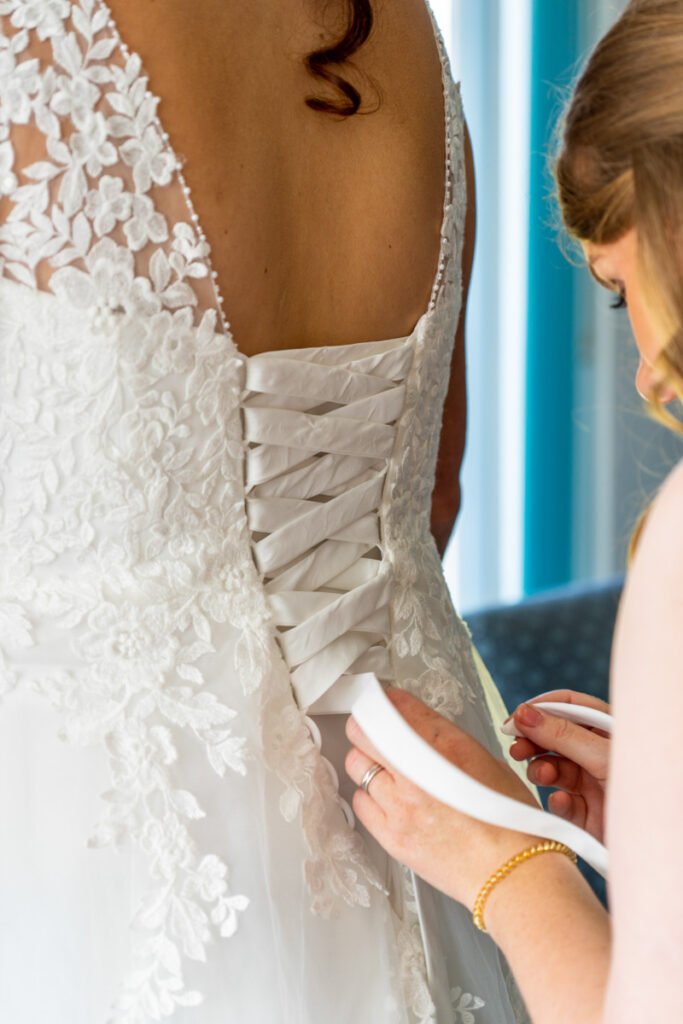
465, 1006
159, 389
128, 534
134, 601
431, 645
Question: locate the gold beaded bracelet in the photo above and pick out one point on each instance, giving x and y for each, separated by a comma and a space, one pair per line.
549, 846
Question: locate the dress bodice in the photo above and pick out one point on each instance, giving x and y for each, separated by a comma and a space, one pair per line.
320, 427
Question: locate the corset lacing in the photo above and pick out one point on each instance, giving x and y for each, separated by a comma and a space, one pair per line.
320, 427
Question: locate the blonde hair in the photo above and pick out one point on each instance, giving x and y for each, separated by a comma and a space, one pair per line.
620, 164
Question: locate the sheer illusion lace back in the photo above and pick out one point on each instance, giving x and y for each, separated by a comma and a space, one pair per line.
102, 217
201, 555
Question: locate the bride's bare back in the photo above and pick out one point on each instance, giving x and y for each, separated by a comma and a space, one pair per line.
323, 231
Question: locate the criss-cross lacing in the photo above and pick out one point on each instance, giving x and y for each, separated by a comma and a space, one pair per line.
320, 426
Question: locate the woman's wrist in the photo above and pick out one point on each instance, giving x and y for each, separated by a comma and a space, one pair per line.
544, 912
537, 882
539, 849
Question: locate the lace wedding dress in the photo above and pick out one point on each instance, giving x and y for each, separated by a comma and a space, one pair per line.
201, 555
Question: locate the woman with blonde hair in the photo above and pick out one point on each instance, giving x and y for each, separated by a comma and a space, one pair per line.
620, 181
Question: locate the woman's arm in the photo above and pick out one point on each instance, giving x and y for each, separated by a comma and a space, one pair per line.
446, 496
644, 809
546, 919
555, 935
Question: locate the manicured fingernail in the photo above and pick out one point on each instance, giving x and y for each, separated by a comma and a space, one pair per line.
528, 715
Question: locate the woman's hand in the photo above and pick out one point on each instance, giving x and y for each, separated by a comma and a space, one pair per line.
453, 852
572, 758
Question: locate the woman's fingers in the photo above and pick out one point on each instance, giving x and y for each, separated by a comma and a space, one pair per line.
369, 812
570, 806
357, 738
445, 737
555, 771
585, 700
522, 749
574, 742
357, 764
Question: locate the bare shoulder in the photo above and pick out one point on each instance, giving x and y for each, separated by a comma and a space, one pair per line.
661, 547
671, 493
649, 630
646, 770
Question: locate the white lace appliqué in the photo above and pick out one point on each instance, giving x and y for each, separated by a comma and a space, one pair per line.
465, 1006
153, 518
141, 593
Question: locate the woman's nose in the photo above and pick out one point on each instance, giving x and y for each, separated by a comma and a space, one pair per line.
645, 381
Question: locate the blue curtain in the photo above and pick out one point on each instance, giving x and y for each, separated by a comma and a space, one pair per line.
552, 295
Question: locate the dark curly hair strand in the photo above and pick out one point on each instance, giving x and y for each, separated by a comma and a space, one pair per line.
360, 20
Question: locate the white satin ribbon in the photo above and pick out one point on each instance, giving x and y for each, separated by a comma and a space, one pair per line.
320, 426
415, 759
